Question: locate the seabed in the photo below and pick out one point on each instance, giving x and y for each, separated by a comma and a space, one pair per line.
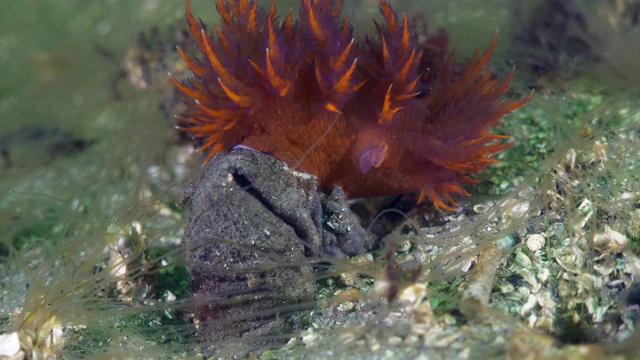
542, 261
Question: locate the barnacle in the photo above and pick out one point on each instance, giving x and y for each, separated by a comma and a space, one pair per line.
386, 116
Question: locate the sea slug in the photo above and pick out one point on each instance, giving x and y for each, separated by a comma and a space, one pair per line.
386, 115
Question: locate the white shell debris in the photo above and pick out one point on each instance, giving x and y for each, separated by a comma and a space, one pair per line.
535, 242
611, 239
413, 294
9, 345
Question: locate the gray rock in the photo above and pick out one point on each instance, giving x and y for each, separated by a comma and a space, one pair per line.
254, 231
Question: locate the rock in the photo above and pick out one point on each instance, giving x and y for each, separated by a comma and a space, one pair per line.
254, 231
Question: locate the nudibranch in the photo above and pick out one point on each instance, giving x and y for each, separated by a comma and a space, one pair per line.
382, 116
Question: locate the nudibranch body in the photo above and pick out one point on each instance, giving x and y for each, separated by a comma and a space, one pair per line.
383, 116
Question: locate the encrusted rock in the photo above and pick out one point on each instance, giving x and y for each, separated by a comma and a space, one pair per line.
254, 230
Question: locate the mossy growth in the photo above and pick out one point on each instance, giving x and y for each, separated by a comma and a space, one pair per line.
171, 274
538, 130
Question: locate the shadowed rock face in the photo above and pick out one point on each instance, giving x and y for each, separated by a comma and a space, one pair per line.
254, 229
